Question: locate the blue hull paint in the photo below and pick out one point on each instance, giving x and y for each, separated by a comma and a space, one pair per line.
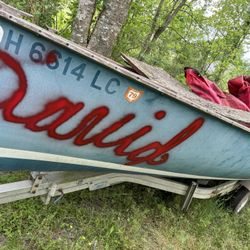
216, 149
8, 164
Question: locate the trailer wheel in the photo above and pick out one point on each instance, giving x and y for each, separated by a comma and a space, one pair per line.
240, 200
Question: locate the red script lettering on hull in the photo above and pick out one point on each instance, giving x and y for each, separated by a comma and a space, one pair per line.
154, 153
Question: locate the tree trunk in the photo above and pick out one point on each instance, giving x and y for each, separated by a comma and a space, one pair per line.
108, 26
81, 29
155, 33
152, 29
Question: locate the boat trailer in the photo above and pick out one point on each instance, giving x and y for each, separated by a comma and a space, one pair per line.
56, 184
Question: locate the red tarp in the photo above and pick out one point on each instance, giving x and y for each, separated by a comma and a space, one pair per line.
239, 88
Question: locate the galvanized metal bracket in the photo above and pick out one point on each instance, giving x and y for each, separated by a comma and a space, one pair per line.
189, 196
47, 198
246, 184
36, 183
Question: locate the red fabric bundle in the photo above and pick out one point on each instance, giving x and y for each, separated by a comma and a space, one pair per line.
239, 98
240, 88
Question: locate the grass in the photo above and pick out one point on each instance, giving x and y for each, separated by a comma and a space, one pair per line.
126, 216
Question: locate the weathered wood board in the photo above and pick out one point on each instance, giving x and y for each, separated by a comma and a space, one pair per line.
172, 85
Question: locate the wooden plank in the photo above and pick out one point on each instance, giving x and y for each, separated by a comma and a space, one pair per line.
13, 11
171, 84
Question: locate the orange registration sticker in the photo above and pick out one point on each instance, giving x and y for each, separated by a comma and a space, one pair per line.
133, 95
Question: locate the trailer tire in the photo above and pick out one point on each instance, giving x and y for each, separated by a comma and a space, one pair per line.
240, 199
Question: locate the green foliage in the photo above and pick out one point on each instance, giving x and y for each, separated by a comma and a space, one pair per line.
136, 28
206, 35
42, 10
63, 18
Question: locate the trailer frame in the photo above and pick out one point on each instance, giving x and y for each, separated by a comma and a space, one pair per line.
58, 183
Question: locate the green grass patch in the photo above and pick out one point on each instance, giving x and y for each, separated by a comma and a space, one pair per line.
126, 216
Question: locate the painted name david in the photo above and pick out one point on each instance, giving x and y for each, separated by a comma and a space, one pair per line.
153, 153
